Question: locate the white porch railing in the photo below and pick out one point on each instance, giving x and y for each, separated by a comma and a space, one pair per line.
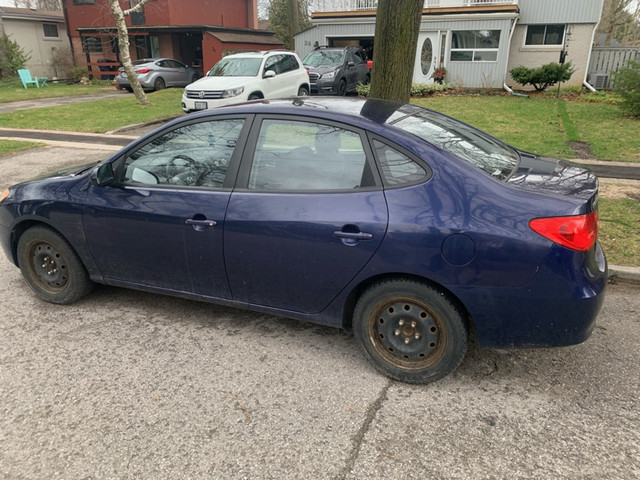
357, 5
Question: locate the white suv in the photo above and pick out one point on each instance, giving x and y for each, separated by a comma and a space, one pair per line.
248, 76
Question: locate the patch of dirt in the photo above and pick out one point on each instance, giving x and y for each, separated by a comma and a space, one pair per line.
615, 192
582, 150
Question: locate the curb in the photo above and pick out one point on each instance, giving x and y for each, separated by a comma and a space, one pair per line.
624, 274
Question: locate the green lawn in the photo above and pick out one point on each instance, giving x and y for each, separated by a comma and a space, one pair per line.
544, 124
12, 146
11, 89
620, 230
98, 116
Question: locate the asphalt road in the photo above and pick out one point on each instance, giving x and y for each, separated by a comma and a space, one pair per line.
126, 384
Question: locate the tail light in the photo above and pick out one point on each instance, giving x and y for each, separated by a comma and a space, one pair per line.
578, 232
144, 70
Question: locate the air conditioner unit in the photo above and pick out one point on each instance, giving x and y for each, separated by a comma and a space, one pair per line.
599, 81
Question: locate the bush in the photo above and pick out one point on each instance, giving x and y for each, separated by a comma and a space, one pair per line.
543, 77
12, 57
417, 89
78, 72
627, 81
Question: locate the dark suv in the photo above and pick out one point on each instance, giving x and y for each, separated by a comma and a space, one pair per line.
336, 70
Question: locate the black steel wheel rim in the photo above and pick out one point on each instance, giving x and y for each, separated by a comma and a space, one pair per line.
407, 334
48, 267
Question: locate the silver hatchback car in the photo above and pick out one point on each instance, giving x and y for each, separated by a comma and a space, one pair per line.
159, 73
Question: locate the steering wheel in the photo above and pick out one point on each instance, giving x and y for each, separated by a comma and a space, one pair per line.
182, 170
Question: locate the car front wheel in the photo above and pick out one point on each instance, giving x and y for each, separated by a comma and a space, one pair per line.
51, 267
342, 88
410, 331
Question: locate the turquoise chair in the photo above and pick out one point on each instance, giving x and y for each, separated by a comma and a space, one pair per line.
25, 76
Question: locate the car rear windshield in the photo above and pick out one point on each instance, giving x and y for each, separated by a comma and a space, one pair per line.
324, 58
472, 145
236, 67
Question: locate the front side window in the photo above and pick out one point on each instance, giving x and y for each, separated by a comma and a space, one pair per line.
475, 45
50, 30
297, 155
467, 143
195, 155
545, 35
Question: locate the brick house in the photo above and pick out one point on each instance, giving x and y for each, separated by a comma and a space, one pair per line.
196, 32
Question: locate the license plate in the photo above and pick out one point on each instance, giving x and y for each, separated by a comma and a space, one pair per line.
201, 105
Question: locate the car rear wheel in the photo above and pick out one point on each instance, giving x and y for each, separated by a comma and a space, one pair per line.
410, 331
158, 84
51, 267
129, 89
303, 92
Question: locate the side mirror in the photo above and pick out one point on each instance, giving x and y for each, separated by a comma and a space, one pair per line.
103, 175
269, 74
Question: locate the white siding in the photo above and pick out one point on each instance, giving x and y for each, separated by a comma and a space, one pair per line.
560, 11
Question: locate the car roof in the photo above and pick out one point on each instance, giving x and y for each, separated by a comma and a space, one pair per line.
260, 54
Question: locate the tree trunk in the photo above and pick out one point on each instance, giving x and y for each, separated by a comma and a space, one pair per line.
294, 21
123, 43
396, 40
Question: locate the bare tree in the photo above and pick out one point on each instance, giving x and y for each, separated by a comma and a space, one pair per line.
396, 40
621, 21
123, 43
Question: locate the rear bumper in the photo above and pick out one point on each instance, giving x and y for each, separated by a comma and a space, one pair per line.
558, 307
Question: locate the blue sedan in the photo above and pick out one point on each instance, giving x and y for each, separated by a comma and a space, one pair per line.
400, 223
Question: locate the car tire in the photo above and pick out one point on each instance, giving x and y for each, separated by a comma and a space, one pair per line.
410, 331
129, 89
367, 79
195, 77
158, 84
254, 96
303, 92
342, 88
51, 267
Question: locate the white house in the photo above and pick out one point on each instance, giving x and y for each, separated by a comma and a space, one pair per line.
42, 35
477, 41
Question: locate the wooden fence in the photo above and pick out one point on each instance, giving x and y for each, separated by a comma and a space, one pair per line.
605, 61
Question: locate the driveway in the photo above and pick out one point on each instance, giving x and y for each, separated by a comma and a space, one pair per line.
126, 384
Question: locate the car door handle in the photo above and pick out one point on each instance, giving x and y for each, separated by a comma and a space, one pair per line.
200, 223
352, 235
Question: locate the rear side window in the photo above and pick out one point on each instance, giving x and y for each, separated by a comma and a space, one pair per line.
396, 168
308, 156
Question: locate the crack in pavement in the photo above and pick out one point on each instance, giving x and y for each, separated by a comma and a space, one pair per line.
370, 415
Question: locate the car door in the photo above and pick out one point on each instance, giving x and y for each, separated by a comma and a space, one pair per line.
290, 69
306, 216
160, 223
274, 86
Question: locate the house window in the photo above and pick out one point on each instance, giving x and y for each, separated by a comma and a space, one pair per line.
84, 2
475, 45
545, 35
50, 30
91, 44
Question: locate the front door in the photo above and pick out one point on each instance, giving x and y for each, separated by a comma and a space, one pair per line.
161, 223
427, 57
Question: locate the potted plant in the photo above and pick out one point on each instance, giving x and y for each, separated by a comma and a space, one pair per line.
439, 74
